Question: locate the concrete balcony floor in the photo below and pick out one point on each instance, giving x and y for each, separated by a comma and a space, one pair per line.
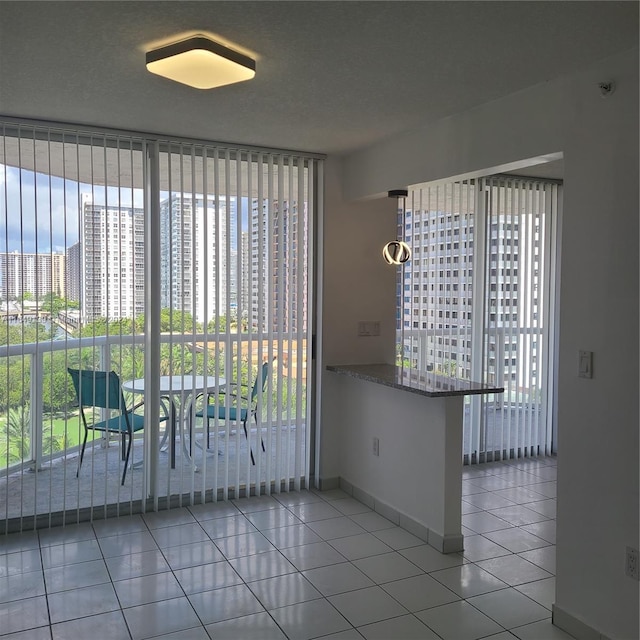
55, 489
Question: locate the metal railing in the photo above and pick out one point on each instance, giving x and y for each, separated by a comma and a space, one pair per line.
102, 358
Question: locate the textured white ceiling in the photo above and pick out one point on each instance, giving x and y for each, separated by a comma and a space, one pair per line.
331, 76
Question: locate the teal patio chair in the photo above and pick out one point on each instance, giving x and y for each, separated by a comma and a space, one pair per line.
243, 406
101, 389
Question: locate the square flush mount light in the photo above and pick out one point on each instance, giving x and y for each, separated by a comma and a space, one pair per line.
200, 63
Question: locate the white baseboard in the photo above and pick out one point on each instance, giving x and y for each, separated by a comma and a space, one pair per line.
444, 544
327, 484
573, 626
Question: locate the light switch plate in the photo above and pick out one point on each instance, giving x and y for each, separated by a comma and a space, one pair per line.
585, 364
368, 328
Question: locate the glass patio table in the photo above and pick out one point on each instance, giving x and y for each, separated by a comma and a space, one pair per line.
185, 387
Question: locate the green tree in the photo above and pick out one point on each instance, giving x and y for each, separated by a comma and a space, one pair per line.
23, 332
57, 389
171, 321
447, 368
54, 304
103, 327
15, 376
178, 321
15, 437
220, 324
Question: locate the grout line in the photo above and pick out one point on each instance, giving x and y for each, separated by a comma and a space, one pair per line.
163, 551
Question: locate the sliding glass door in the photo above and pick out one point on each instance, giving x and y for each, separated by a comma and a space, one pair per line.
517, 349
184, 267
235, 257
478, 303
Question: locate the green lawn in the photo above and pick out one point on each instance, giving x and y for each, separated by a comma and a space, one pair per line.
74, 428
68, 429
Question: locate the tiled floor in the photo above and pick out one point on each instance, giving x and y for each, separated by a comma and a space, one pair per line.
298, 566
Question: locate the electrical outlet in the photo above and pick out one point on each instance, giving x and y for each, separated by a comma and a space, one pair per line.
631, 566
376, 446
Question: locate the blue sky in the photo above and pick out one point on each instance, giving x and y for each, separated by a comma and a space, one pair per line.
39, 213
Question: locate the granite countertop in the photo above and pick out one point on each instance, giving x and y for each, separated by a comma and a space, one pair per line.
412, 380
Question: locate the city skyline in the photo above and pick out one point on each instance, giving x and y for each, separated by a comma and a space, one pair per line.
40, 213
34, 273
202, 271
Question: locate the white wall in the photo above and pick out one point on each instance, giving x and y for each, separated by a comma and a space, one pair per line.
598, 492
598, 419
358, 285
355, 274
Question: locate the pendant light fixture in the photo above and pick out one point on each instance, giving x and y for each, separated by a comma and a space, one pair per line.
398, 252
201, 63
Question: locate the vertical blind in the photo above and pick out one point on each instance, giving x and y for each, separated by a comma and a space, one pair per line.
520, 222
235, 273
93, 224
477, 304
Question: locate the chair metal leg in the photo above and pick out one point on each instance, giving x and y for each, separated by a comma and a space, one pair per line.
172, 442
84, 442
255, 415
206, 428
165, 403
246, 435
126, 461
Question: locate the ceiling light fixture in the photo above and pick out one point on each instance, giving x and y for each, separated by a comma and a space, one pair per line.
398, 251
201, 63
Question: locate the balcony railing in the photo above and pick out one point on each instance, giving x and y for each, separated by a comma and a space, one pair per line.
40, 486
106, 353
511, 423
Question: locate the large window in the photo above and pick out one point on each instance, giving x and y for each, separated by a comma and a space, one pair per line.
477, 304
161, 260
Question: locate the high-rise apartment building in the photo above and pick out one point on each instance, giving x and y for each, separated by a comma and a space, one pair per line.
209, 264
245, 295
34, 273
235, 281
453, 285
436, 305
111, 261
278, 280
197, 249
260, 251
290, 277
106, 267
72, 272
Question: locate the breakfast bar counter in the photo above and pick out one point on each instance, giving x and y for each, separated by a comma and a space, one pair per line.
401, 432
413, 381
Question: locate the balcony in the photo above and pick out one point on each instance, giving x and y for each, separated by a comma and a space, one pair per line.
38, 463
513, 424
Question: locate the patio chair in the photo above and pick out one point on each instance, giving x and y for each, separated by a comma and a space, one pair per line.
101, 389
242, 406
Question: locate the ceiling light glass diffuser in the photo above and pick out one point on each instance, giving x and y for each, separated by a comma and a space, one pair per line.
201, 63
